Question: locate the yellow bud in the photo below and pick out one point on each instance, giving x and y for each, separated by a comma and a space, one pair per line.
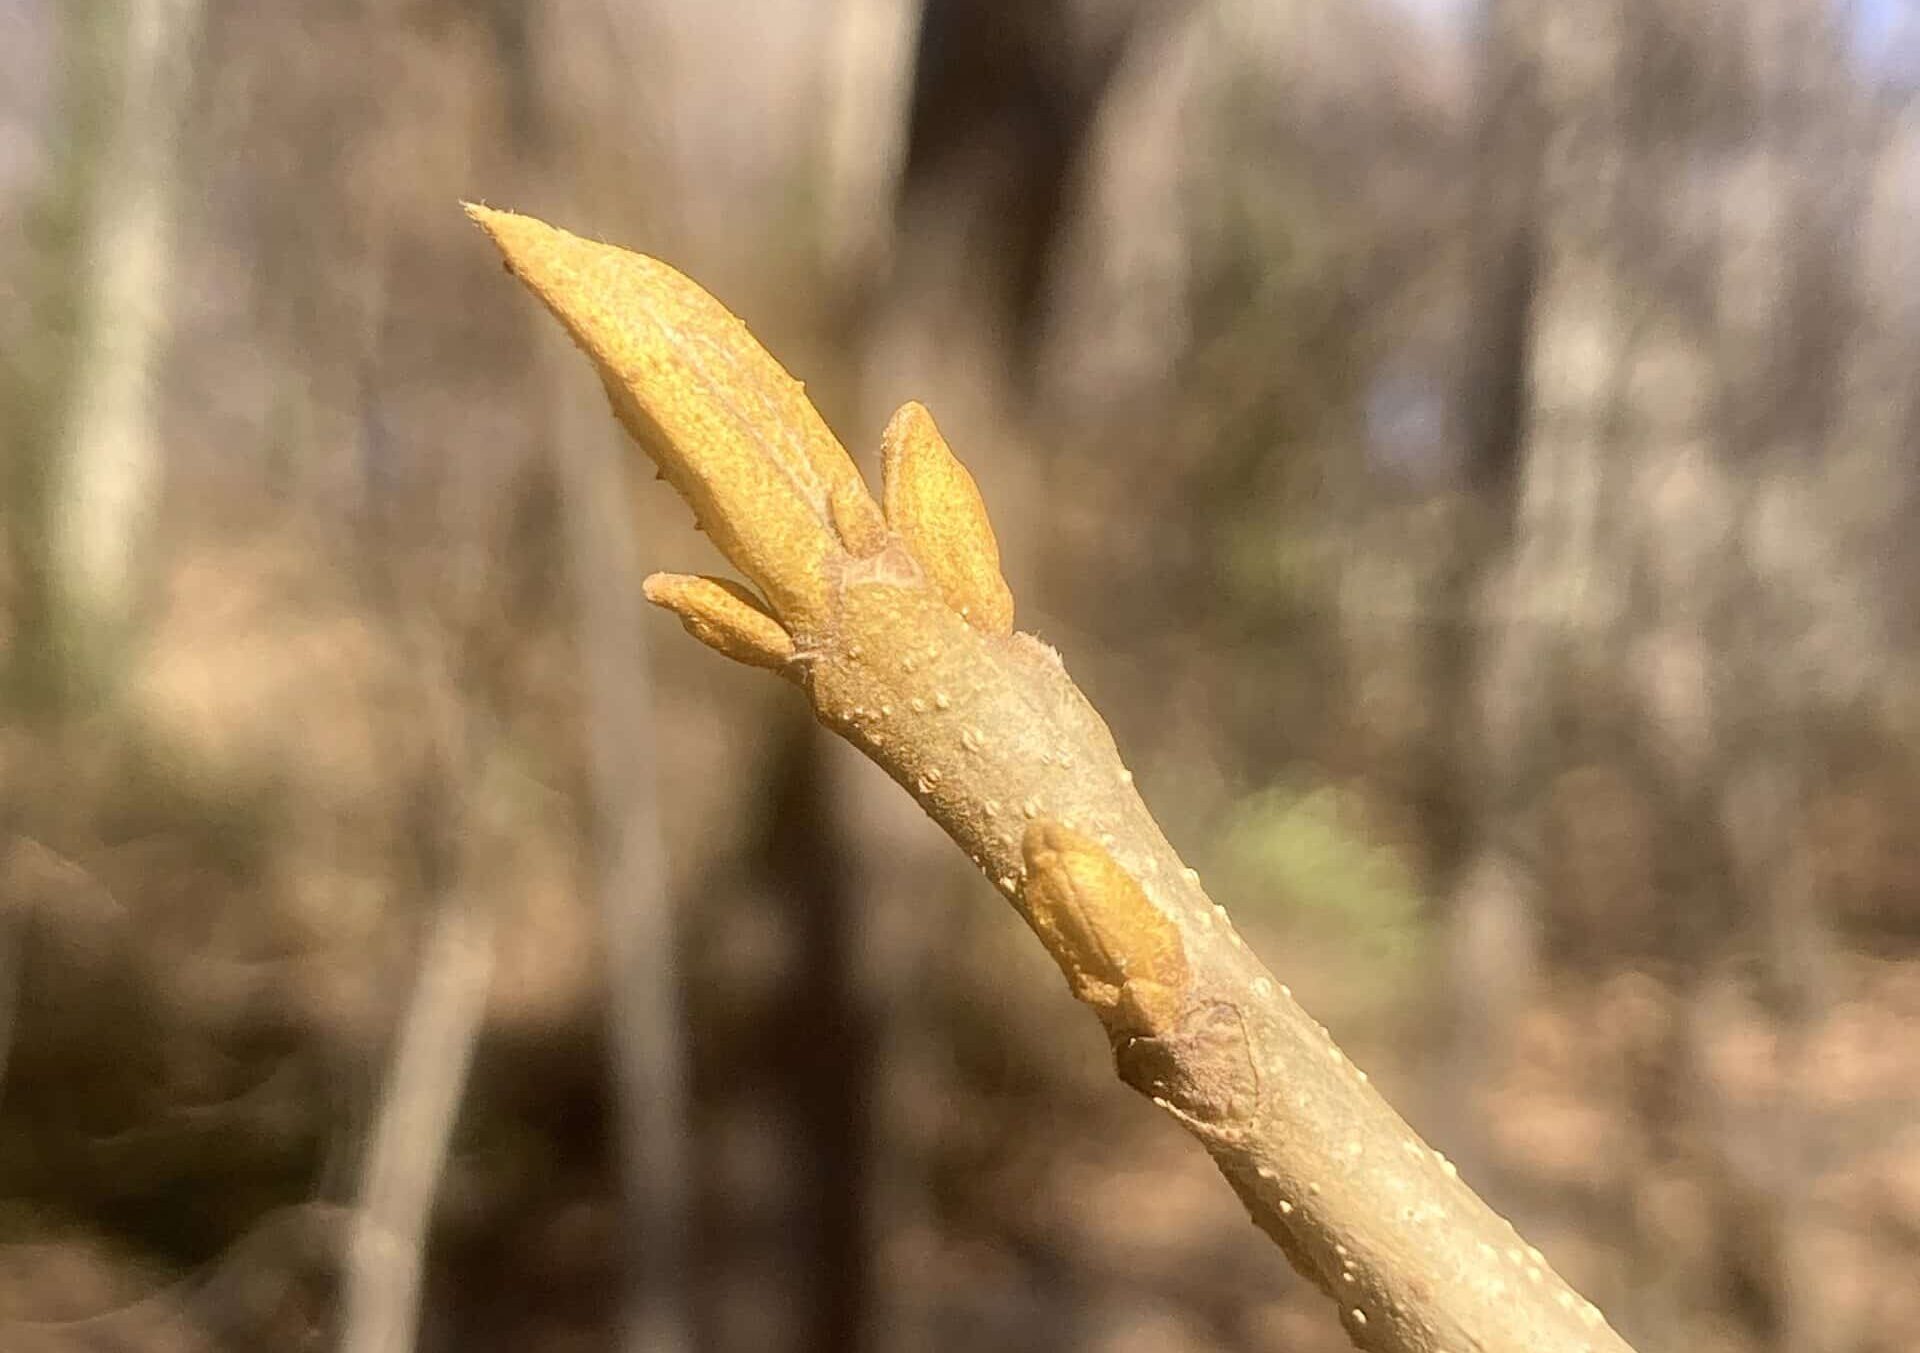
724, 616
732, 431
933, 503
1109, 939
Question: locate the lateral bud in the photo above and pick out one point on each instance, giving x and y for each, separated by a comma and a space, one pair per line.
724, 616
1119, 953
932, 501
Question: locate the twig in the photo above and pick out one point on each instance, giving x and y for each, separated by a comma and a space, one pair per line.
898, 627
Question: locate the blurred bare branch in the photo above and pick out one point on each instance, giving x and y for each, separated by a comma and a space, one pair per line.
386, 1256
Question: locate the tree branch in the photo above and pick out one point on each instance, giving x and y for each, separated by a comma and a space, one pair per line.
898, 628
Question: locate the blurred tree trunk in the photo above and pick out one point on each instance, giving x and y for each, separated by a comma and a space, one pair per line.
991, 112
1472, 785
1743, 938
646, 1022
822, 1039
869, 76
1003, 103
40, 359
1782, 417
108, 475
568, 76
76, 399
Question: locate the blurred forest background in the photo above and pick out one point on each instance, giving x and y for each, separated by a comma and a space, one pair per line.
1469, 449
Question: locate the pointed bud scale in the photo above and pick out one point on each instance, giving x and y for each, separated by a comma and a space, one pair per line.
1099, 925
936, 507
725, 617
730, 429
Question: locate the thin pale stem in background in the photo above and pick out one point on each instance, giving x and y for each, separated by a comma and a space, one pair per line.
386, 1255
